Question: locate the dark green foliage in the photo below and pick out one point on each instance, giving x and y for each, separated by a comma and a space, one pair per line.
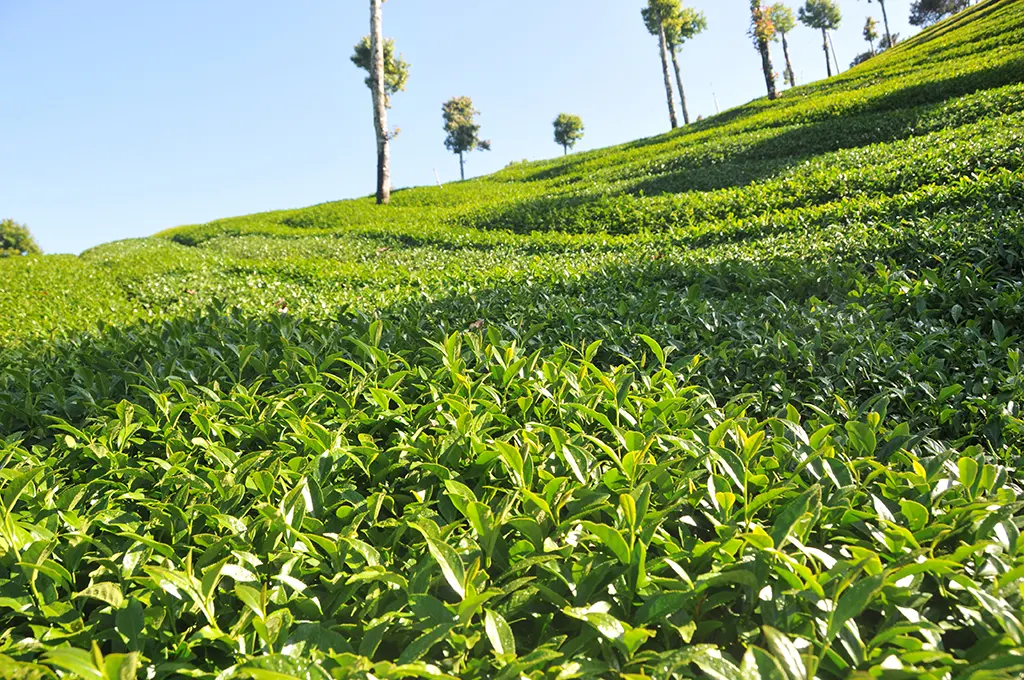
821, 14
740, 402
16, 239
396, 69
927, 12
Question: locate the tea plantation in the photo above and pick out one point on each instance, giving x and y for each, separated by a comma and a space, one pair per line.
742, 401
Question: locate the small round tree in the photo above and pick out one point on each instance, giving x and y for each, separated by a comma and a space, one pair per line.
16, 240
463, 131
568, 130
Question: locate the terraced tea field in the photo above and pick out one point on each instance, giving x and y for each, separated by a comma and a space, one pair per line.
741, 401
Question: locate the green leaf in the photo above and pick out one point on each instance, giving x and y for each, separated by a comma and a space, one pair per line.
968, 468
853, 601
598, 617
76, 661
105, 592
130, 621
785, 653
758, 664
16, 486
950, 391
916, 514
656, 349
611, 539
792, 513
862, 437
446, 558
424, 643
499, 633
121, 666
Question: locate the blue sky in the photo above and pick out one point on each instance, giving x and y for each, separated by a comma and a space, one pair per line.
125, 117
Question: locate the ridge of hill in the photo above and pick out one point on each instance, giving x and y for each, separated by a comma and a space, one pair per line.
738, 401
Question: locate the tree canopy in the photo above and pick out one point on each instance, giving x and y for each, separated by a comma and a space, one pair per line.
821, 14
16, 239
658, 13
927, 12
396, 69
871, 31
782, 18
568, 130
683, 26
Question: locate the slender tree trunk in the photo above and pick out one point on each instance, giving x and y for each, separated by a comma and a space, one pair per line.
565, 150
872, 43
462, 166
766, 66
668, 81
758, 19
885, 20
679, 83
789, 64
834, 57
824, 42
380, 111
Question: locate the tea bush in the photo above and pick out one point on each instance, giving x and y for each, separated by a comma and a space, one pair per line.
741, 401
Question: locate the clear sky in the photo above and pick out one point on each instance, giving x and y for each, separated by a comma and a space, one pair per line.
124, 117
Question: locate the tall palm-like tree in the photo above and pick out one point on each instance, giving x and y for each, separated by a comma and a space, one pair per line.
762, 31
784, 21
680, 28
825, 16
655, 15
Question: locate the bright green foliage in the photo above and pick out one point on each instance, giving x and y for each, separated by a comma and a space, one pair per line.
462, 130
782, 18
16, 239
568, 130
738, 402
396, 69
685, 25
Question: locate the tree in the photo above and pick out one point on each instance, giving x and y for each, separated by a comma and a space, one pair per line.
884, 44
871, 33
655, 15
927, 12
568, 130
825, 16
683, 26
762, 31
783, 21
387, 76
463, 132
885, 20
16, 240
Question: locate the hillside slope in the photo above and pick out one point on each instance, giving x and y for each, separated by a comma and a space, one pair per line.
742, 400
